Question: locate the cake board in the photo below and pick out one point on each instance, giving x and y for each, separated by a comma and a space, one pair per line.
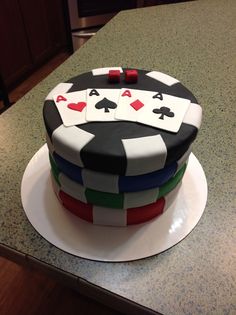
80, 238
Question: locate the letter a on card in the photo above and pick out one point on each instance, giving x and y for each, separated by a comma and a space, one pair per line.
126, 93
72, 107
60, 98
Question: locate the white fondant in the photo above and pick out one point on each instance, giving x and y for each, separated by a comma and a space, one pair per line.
101, 71
193, 115
69, 116
49, 144
59, 89
175, 106
124, 110
100, 181
72, 188
183, 158
65, 142
140, 198
55, 186
109, 216
162, 77
170, 197
94, 114
146, 153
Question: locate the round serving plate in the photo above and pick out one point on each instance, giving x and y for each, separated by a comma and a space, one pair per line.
80, 238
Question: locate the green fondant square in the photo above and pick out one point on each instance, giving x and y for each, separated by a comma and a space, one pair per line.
104, 199
172, 183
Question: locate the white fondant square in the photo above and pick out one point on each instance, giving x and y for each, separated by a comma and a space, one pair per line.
72, 188
65, 142
183, 159
193, 115
55, 185
100, 181
102, 71
140, 198
109, 216
162, 77
171, 196
146, 153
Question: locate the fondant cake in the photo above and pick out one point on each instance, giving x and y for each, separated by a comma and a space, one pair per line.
119, 141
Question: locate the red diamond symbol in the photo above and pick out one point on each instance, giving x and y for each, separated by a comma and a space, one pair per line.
137, 104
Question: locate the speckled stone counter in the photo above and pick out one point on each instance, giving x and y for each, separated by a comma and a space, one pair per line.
196, 43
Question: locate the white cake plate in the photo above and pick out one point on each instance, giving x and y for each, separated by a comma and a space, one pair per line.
102, 243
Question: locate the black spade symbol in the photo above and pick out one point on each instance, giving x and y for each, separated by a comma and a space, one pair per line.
106, 104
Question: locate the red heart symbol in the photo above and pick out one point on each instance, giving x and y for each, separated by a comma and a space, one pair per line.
79, 106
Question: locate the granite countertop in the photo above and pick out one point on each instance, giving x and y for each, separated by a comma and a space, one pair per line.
196, 43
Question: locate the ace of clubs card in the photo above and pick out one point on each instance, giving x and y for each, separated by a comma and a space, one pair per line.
166, 112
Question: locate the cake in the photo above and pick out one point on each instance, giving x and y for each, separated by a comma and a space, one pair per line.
119, 142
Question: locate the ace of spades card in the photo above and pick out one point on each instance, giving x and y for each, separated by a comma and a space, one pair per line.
102, 104
71, 107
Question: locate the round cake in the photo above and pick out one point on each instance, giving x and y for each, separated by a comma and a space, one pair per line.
119, 141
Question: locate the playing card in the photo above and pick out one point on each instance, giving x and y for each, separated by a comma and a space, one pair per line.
163, 111
101, 104
71, 107
131, 101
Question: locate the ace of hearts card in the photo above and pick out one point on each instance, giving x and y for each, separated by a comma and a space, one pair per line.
72, 107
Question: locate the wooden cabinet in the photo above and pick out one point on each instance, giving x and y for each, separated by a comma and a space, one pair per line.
30, 33
15, 58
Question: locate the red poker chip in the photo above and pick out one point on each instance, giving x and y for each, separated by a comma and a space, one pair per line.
112, 216
137, 215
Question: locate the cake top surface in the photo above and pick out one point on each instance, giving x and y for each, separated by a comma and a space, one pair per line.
124, 121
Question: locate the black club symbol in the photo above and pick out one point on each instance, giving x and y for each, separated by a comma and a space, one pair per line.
164, 111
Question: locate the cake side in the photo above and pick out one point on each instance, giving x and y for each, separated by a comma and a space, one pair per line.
118, 142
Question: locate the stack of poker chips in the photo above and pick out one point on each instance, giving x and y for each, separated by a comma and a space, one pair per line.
119, 173
128, 200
